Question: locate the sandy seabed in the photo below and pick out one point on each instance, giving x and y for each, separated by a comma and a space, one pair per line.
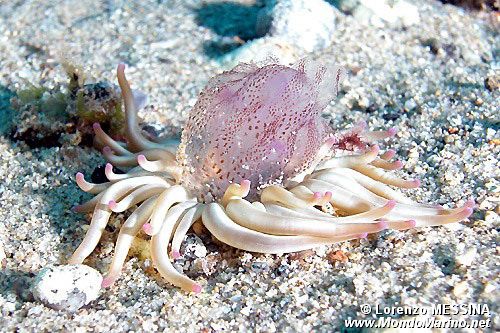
448, 137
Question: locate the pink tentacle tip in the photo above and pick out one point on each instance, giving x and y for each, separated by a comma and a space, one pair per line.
96, 126
467, 212
79, 177
470, 203
383, 225
107, 150
120, 67
390, 204
148, 228
196, 288
176, 254
375, 149
390, 153
76, 208
415, 183
245, 184
112, 204
363, 235
328, 196
412, 223
392, 131
107, 281
317, 198
141, 159
397, 165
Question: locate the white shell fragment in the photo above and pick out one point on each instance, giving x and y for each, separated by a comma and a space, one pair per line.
67, 287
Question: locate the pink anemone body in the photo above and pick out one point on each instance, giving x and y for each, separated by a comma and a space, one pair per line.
262, 124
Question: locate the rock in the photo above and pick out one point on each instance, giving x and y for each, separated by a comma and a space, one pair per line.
308, 24
489, 288
467, 258
492, 83
490, 133
491, 217
67, 287
460, 289
338, 255
261, 50
410, 104
383, 12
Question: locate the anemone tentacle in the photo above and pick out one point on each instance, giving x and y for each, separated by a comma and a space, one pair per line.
386, 178
126, 236
167, 199
281, 195
89, 205
422, 214
350, 161
229, 232
114, 177
370, 184
131, 160
159, 251
303, 214
388, 154
99, 221
135, 140
138, 195
89, 187
386, 165
105, 140
246, 215
190, 217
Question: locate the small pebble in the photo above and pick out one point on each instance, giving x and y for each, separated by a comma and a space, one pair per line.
492, 83
449, 138
259, 266
489, 288
490, 216
410, 104
460, 289
67, 287
337, 256
467, 258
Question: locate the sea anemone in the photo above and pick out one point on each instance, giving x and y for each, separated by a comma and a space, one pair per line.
259, 166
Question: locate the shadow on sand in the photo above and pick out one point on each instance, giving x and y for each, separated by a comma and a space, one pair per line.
233, 24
